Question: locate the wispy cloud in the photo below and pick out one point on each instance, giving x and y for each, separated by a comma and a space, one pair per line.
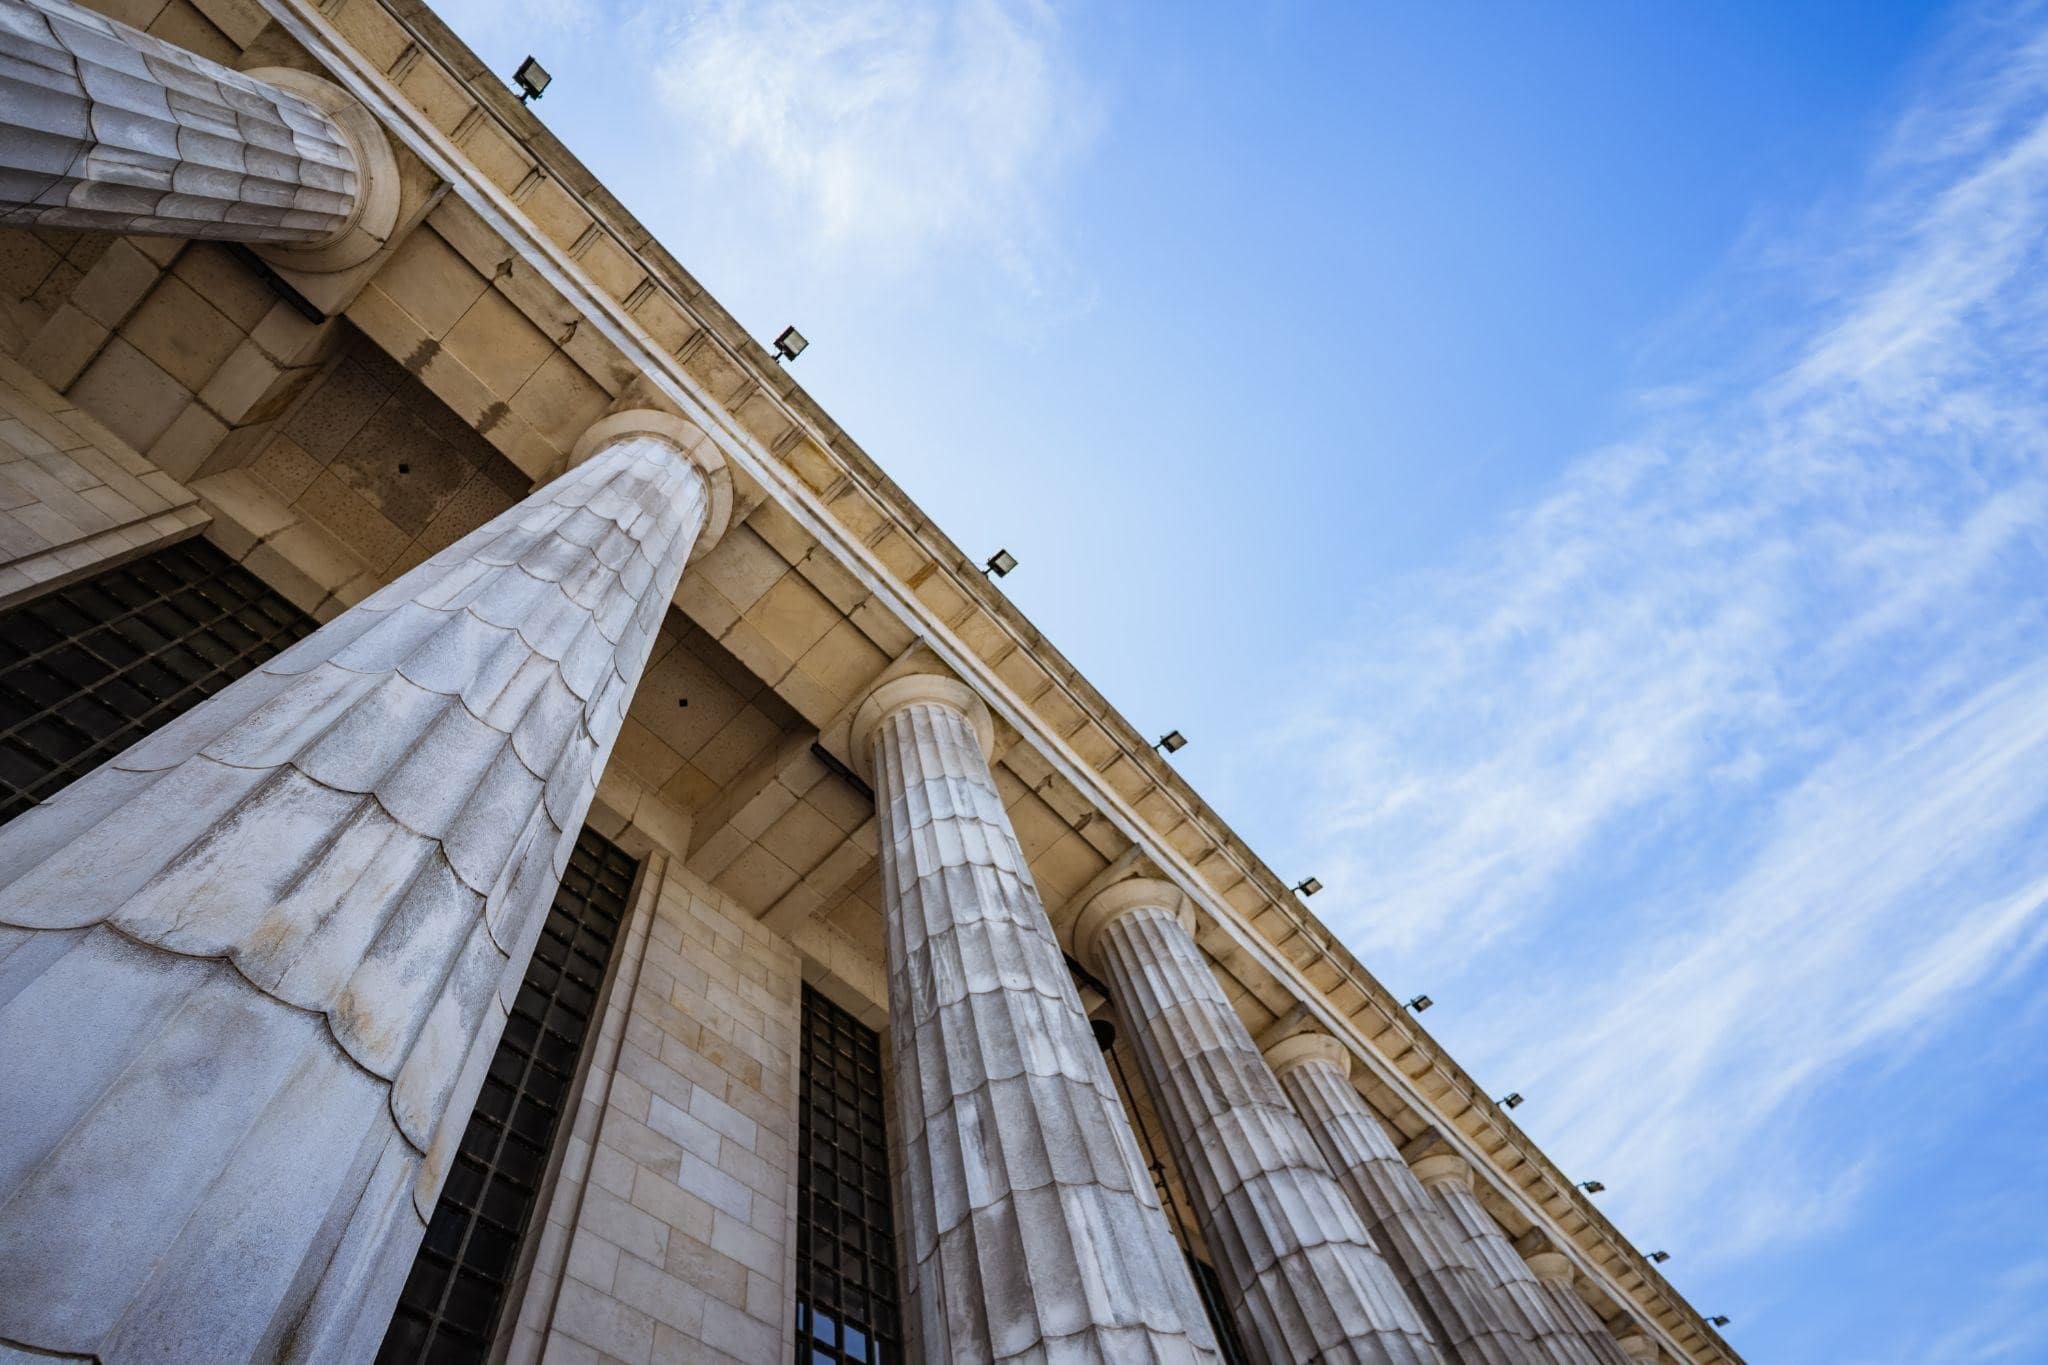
1733, 743
892, 129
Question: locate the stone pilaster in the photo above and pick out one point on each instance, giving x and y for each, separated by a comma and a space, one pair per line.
1297, 1266
1553, 1272
106, 128
1464, 1312
1034, 1231
1448, 1177
252, 969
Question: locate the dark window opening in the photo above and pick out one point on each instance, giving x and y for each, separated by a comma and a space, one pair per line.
449, 1311
846, 1303
1211, 1290
89, 669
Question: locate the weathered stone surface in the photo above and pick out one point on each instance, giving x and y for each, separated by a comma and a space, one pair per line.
104, 127
1553, 1271
1034, 1232
1298, 1269
1466, 1314
1449, 1179
1640, 1350
251, 970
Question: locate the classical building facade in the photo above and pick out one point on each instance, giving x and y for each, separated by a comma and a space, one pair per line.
522, 844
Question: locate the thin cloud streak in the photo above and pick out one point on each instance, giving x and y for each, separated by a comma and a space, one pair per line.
1716, 773
892, 130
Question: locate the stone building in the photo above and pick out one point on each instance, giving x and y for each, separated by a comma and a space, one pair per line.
645, 894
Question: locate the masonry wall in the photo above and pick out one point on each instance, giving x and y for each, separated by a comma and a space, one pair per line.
74, 498
670, 1235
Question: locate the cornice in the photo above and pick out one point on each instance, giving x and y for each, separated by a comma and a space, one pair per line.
312, 26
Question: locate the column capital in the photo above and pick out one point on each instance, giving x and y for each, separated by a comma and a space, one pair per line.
1112, 903
686, 436
128, 132
1639, 1348
1546, 1262
375, 215
916, 689
1303, 1048
1440, 1169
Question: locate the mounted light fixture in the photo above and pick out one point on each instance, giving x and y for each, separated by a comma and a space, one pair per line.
789, 345
1719, 1319
532, 79
1591, 1186
1308, 886
1172, 742
1660, 1257
1000, 563
1511, 1100
1420, 1003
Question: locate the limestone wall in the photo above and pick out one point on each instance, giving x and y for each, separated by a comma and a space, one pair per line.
74, 498
671, 1231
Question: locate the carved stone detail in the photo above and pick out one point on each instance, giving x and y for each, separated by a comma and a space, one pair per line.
252, 969
106, 128
1301, 1276
1469, 1319
1034, 1231
1553, 1272
1449, 1178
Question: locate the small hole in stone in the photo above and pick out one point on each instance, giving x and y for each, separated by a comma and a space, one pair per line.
404, 468
682, 701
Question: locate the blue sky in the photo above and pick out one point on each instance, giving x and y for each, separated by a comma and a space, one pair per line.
1577, 473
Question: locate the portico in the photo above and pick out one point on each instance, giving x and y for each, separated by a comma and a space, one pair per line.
662, 910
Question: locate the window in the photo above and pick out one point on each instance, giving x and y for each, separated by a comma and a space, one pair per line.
87, 670
846, 1305
1211, 1290
449, 1310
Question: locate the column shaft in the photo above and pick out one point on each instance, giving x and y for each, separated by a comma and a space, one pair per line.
1469, 1319
1556, 1338
1302, 1276
106, 128
251, 970
1554, 1276
1034, 1228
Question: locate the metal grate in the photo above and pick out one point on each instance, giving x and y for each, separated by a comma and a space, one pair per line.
89, 669
846, 1306
448, 1313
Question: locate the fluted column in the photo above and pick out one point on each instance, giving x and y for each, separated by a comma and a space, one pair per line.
252, 969
1297, 1266
1034, 1232
1448, 1177
1464, 1312
106, 128
1553, 1272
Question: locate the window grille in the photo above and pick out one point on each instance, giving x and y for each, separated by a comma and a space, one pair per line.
89, 669
846, 1308
448, 1313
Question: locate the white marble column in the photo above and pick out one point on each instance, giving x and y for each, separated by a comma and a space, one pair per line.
1448, 1177
1296, 1264
1465, 1313
106, 128
252, 969
1553, 1272
1034, 1232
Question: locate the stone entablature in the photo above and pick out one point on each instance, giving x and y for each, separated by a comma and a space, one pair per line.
605, 260
559, 256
